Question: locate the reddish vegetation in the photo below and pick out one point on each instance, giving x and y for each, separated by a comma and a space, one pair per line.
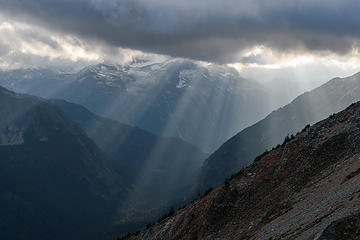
293, 192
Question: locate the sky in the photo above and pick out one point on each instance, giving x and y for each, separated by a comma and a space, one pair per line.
263, 39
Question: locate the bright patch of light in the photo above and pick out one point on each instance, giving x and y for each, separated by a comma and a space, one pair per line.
257, 50
6, 26
276, 60
75, 52
65, 51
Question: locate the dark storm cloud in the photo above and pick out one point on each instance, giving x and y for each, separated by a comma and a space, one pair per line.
207, 30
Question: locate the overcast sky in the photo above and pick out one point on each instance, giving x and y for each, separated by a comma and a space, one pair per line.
248, 34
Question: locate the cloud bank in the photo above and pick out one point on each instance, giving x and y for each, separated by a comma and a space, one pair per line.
207, 30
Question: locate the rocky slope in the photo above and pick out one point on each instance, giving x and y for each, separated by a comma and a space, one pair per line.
203, 105
295, 191
240, 150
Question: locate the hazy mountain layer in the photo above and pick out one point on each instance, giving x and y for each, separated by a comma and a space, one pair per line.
308, 108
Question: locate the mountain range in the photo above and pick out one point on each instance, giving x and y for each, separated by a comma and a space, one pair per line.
203, 105
54, 150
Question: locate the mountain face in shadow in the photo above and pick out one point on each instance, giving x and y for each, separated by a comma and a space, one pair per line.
161, 172
55, 182
201, 105
308, 108
306, 188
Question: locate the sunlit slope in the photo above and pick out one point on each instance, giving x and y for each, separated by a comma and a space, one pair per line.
308, 108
